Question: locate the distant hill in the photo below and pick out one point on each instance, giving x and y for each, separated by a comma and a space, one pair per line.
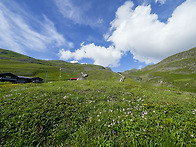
27, 66
184, 62
177, 71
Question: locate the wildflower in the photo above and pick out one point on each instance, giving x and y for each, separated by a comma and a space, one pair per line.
193, 112
192, 135
98, 119
145, 112
113, 132
108, 126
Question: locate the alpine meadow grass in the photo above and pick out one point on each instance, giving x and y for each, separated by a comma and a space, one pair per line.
95, 113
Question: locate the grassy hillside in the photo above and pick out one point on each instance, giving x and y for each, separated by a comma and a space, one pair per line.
100, 113
26, 66
177, 71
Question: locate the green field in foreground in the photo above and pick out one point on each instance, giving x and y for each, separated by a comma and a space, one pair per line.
95, 113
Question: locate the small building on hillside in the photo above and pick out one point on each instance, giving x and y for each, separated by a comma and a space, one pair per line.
9, 77
22, 79
37, 80
83, 77
73, 79
4, 77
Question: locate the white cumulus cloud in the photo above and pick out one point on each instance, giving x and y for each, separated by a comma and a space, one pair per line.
148, 39
101, 55
74, 61
139, 31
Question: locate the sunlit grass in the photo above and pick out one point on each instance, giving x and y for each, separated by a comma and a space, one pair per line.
96, 113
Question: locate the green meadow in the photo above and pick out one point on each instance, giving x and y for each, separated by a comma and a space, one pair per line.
155, 106
96, 113
177, 71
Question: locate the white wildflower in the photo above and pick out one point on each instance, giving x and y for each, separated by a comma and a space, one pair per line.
193, 112
145, 112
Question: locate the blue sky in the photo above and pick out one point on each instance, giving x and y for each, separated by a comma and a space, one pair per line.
120, 34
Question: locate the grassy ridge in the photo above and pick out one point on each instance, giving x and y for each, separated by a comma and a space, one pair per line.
26, 66
101, 113
178, 71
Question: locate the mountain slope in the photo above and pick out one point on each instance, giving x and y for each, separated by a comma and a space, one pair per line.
184, 62
26, 66
177, 71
